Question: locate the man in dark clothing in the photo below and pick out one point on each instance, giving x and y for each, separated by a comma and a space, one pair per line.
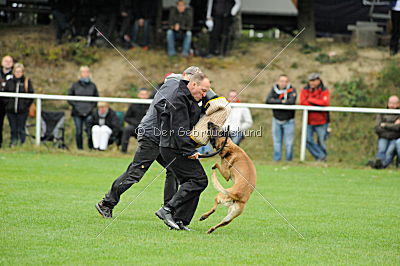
6, 74
178, 117
220, 14
106, 19
180, 23
148, 149
81, 111
105, 126
388, 130
283, 127
61, 11
395, 15
133, 116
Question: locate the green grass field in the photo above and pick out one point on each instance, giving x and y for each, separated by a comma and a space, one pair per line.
347, 216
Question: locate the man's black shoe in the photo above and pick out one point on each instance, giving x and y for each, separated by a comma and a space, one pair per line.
104, 211
182, 226
165, 214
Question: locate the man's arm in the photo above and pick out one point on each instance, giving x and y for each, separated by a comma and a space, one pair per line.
247, 120
304, 97
291, 98
130, 115
189, 20
271, 99
71, 92
323, 101
180, 125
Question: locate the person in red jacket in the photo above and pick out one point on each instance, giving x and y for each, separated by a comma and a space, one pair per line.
316, 94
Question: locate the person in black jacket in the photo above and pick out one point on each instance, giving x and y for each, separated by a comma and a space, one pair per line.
178, 117
283, 127
6, 74
17, 109
105, 126
220, 14
81, 111
133, 116
180, 22
62, 11
147, 150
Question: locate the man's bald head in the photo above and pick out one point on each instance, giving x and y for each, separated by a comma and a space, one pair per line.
393, 102
7, 62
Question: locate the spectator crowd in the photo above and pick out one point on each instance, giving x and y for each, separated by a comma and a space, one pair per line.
103, 126
130, 23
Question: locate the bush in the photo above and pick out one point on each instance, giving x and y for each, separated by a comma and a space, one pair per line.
353, 93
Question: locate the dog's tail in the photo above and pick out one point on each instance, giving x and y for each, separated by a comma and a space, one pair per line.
218, 185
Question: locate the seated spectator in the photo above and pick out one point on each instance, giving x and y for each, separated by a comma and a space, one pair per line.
316, 94
105, 127
283, 127
81, 111
238, 120
133, 116
17, 109
6, 74
180, 23
388, 130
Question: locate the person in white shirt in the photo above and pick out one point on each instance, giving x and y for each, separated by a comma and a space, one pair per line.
239, 120
395, 15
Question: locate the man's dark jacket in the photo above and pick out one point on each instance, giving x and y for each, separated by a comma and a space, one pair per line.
3, 80
135, 113
178, 117
81, 88
185, 19
275, 98
17, 85
111, 120
390, 130
222, 8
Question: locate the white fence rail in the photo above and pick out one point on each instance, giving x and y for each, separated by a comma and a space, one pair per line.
305, 109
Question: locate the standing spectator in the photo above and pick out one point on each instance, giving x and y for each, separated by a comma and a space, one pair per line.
61, 11
283, 127
133, 116
388, 130
220, 15
180, 23
106, 19
395, 15
5, 74
17, 109
105, 127
81, 111
238, 120
316, 94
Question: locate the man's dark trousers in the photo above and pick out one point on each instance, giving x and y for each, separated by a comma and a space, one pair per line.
147, 152
192, 180
394, 41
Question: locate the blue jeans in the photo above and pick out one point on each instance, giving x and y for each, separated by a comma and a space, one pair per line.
187, 39
317, 149
81, 121
283, 131
387, 149
205, 149
146, 32
17, 124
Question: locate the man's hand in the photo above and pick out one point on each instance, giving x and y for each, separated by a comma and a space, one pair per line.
124, 14
283, 101
194, 156
383, 124
177, 27
397, 122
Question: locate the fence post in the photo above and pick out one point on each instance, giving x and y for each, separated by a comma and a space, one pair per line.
38, 119
303, 136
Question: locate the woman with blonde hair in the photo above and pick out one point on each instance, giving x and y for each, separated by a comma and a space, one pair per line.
17, 109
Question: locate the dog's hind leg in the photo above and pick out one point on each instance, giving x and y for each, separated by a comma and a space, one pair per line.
234, 211
216, 202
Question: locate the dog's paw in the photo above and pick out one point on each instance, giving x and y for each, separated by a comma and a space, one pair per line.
203, 217
214, 166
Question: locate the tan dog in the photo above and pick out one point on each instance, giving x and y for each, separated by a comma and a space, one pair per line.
237, 166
